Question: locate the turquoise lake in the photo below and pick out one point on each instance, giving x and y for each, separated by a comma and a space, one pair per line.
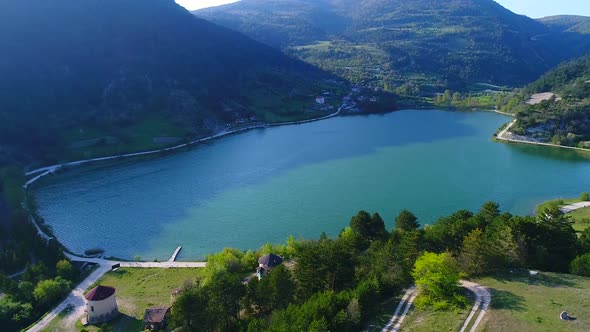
264, 185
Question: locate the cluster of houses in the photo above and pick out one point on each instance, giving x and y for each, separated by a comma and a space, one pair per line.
101, 302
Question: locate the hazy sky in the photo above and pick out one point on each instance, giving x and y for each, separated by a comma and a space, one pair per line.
532, 8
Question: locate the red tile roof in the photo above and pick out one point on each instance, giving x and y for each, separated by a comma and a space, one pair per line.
99, 293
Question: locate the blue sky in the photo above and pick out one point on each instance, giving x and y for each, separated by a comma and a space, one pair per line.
532, 8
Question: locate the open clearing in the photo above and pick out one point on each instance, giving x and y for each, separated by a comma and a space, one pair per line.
522, 302
137, 289
541, 97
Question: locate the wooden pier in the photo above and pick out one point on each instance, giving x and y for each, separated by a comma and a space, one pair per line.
175, 254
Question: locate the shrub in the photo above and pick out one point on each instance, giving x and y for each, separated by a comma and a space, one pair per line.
585, 196
581, 265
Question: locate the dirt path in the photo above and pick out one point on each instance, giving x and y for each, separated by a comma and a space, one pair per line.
482, 303
395, 322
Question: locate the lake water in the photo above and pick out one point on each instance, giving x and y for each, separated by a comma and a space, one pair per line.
261, 186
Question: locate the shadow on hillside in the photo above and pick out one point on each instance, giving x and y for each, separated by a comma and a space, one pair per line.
507, 300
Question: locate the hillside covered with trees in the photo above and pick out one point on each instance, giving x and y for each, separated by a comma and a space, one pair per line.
89, 78
564, 119
432, 44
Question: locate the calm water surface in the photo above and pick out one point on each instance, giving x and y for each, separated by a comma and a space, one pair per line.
264, 185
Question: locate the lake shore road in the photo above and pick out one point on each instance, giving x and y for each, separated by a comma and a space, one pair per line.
47, 170
573, 207
503, 136
483, 298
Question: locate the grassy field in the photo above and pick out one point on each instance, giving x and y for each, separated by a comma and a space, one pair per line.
435, 321
138, 137
581, 217
137, 289
521, 302
421, 320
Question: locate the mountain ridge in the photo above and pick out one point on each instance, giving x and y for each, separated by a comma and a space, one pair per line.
451, 41
71, 74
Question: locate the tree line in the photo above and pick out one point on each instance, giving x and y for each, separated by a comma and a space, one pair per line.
337, 284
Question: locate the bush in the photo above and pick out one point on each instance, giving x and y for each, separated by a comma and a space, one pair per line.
581, 265
585, 197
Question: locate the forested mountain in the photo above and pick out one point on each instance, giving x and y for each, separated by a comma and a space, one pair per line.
569, 23
94, 77
563, 119
391, 42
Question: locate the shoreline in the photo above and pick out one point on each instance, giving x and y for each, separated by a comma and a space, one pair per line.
501, 137
47, 170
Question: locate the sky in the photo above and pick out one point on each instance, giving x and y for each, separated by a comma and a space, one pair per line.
532, 8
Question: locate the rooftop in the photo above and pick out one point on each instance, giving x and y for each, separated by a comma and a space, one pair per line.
270, 261
99, 293
155, 314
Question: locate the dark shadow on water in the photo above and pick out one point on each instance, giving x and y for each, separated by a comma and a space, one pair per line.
507, 300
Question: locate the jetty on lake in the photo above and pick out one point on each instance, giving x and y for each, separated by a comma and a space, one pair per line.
175, 254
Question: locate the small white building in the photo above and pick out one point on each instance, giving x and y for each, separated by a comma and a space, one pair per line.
101, 305
320, 100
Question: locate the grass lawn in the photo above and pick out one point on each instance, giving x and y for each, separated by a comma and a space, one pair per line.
421, 320
521, 302
437, 321
137, 289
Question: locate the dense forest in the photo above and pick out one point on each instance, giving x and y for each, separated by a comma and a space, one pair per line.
434, 44
337, 284
88, 78
564, 119
44, 276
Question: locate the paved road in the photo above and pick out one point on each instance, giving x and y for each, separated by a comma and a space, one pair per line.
574, 207
395, 322
76, 296
44, 171
502, 137
482, 303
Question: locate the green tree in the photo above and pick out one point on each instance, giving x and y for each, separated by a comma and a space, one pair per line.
51, 290
190, 311
437, 276
472, 258
406, 221
489, 211
281, 287
585, 197
369, 227
581, 265
224, 292
65, 270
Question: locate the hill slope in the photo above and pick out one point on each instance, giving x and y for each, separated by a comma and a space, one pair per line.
396, 40
80, 79
562, 120
568, 23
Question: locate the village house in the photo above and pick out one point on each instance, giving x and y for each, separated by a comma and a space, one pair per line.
101, 305
320, 100
267, 263
155, 318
